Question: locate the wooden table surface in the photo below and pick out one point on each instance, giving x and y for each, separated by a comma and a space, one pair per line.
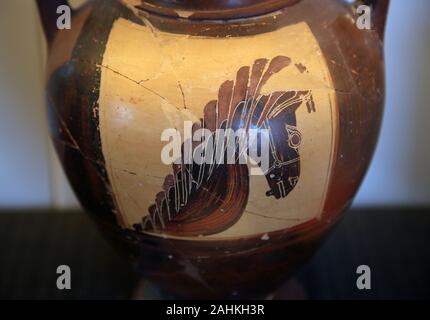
394, 243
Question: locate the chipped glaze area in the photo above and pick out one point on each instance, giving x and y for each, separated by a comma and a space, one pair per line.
152, 81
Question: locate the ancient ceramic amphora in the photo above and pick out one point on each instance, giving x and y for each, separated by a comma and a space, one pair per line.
135, 84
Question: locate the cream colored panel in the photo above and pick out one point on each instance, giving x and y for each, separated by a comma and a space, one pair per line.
152, 81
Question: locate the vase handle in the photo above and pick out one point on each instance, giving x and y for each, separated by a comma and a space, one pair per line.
380, 13
48, 15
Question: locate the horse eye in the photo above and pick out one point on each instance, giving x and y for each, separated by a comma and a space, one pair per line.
294, 137
295, 140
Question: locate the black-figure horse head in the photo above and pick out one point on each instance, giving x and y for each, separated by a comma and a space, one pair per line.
204, 199
284, 139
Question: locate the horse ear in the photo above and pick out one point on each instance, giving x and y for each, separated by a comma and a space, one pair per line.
310, 103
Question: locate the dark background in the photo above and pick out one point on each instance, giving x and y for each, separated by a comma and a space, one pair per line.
393, 243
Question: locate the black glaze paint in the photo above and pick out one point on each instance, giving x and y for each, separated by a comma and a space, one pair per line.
73, 94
